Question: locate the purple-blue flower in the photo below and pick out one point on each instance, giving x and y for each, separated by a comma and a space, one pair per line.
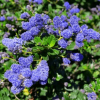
38, 1
7, 73
26, 72
62, 43
13, 44
79, 37
35, 75
10, 18
67, 5
76, 28
43, 64
31, 21
43, 73
76, 56
38, 21
91, 96
73, 20
24, 15
26, 61
2, 18
66, 61
43, 82
16, 68
17, 90
27, 83
12, 77
45, 18
74, 10
27, 36
26, 25
34, 31
57, 22
79, 44
16, 82
67, 33
84, 26
63, 18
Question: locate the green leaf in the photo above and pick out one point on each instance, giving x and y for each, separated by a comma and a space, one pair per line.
45, 40
56, 51
95, 74
37, 49
6, 98
49, 81
36, 56
98, 80
57, 6
39, 8
45, 57
81, 96
59, 77
50, 8
8, 64
1, 76
87, 88
53, 52
1, 98
80, 76
64, 12
44, 1
37, 40
43, 92
73, 94
52, 43
97, 87
71, 46
50, 40
93, 85
65, 95
5, 92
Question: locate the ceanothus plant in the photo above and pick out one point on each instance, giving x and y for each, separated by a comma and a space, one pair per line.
47, 38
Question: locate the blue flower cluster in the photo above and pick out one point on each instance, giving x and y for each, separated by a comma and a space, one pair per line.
10, 18
76, 56
36, 1
14, 45
24, 15
74, 30
66, 61
33, 26
70, 9
72, 56
22, 76
92, 96
62, 43
60, 22
3, 57
67, 5
66, 28
2, 18
43, 72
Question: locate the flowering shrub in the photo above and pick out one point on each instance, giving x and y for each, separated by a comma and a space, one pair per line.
44, 51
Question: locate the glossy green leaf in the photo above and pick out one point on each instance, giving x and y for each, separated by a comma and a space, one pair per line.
37, 40
59, 77
50, 8
71, 46
52, 43
95, 74
43, 92
65, 95
87, 88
